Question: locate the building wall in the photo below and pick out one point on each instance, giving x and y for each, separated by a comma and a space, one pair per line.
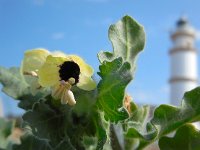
177, 90
184, 64
184, 41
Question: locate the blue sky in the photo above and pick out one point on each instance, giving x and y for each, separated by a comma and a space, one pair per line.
81, 27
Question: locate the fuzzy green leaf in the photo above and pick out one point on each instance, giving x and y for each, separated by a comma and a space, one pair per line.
139, 114
30, 142
16, 87
90, 120
114, 141
187, 138
72, 123
44, 119
100, 127
137, 127
105, 56
65, 145
168, 118
115, 77
128, 39
6, 128
13, 82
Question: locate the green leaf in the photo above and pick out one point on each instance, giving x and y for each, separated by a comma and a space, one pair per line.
6, 128
44, 119
187, 138
115, 77
141, 137
71, 123
51, 123
128, 39
30, 142
114, 141
85, 101
168, 118
101, 129
87, 120
13, 82
139, 114
65, 144
105, 56
16, 87
136, 127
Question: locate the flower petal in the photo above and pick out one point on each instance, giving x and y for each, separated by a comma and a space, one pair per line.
86, 83
58, 54
85, 68
34, 59
49, 73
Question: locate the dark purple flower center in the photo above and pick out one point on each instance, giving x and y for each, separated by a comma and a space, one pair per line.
69, 69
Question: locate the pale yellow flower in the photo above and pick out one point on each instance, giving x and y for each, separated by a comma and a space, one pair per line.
60, 72
33, 60
63, 72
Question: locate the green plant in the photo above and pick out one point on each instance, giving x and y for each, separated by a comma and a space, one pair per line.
102, 113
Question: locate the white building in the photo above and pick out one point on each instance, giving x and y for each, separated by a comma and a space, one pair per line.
183, 61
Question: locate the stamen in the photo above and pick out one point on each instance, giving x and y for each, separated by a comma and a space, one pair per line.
31, 73
57, 92
63, 92
71, 100
68, 97
65, 84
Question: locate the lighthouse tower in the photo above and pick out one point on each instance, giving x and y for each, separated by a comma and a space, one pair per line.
183, 59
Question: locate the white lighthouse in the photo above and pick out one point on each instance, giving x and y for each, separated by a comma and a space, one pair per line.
183, 61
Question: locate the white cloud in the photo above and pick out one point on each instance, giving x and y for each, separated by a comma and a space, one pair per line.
58, 36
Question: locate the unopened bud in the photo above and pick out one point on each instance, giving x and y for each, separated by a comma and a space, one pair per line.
71, 81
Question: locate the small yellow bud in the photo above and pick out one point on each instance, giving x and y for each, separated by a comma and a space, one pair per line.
71, 81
